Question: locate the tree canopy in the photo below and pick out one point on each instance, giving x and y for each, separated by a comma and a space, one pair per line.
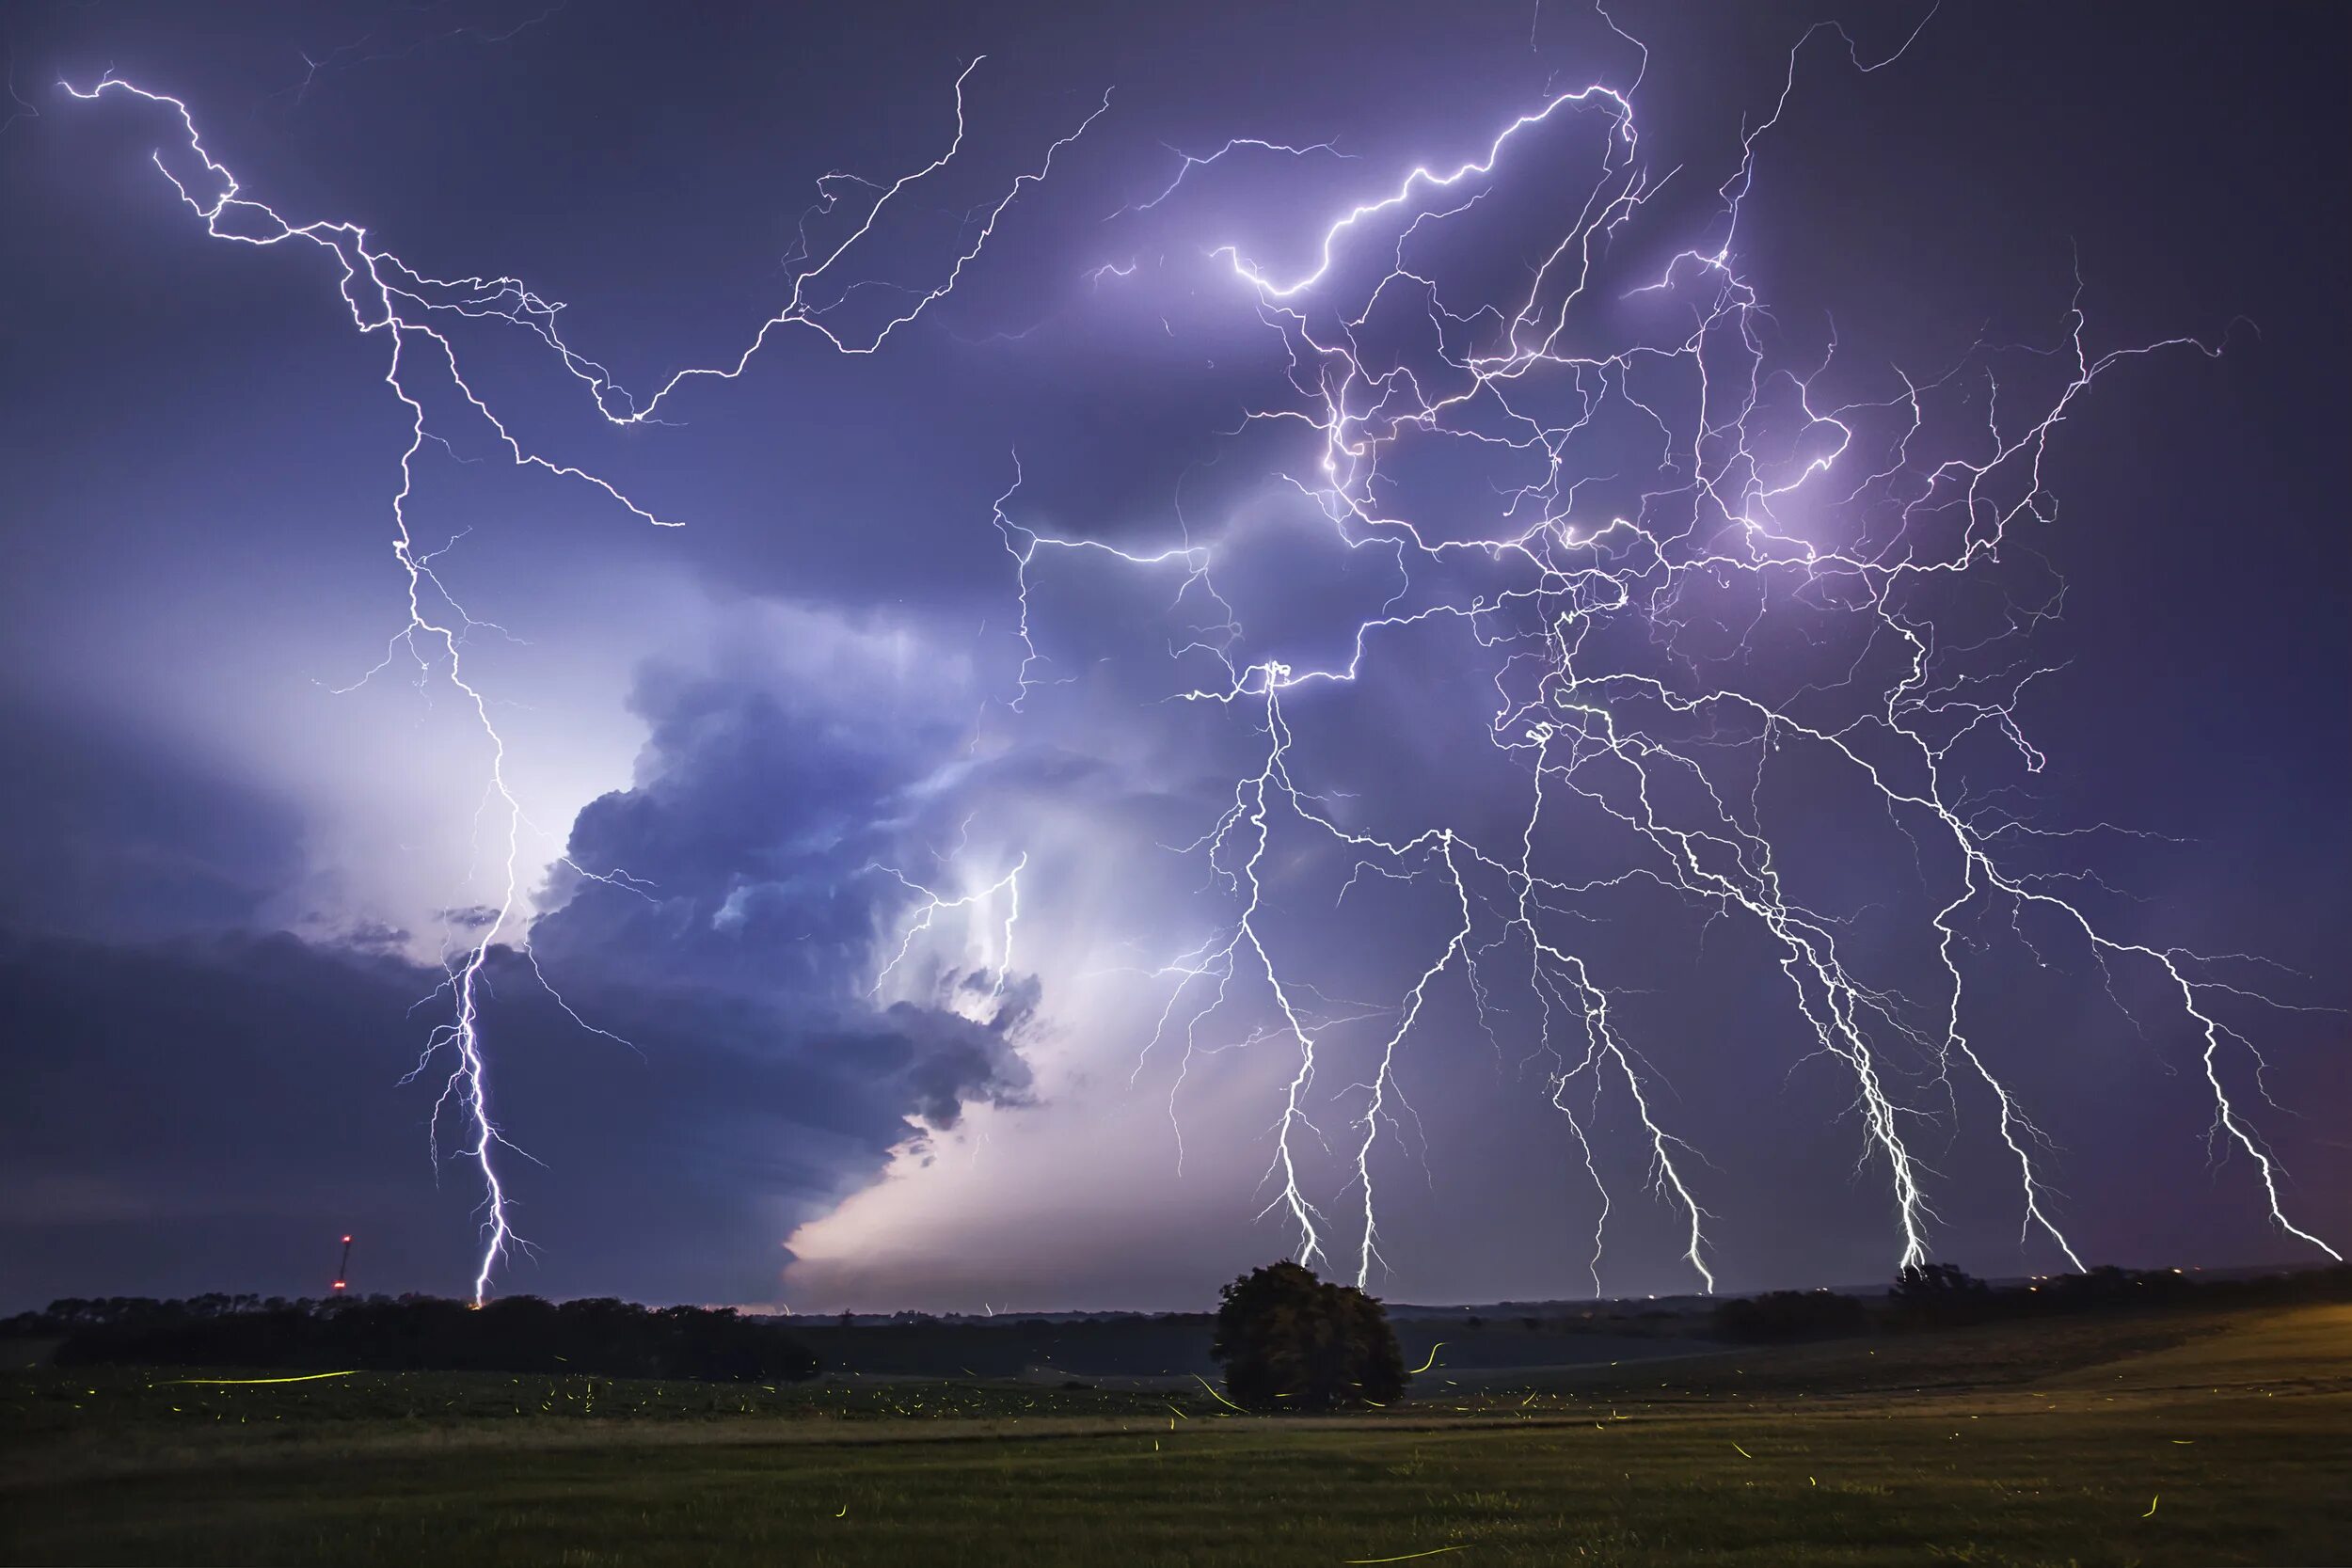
1288, 1340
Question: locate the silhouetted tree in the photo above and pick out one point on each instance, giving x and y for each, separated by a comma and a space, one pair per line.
1290, 1341
1937, 1282
1940, 1293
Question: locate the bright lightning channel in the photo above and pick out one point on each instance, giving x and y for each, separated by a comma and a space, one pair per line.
384, 294
1588, 734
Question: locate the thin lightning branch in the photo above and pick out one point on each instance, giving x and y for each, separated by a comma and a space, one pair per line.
1850, 541
19, 108
413, 311
1762, 496
933, 904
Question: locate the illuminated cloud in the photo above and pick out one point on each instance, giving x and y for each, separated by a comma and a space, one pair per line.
1094, 665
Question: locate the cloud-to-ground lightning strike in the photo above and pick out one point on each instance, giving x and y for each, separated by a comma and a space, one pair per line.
1758, 494
1585, 729
413, 310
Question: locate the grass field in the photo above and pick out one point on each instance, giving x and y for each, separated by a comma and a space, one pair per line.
2214, 1439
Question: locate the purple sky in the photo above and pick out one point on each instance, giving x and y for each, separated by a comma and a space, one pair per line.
1730, 661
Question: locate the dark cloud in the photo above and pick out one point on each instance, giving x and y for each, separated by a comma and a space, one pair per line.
755, 847
373, 936
198, 478
246, 1087
953, 1059
750, 833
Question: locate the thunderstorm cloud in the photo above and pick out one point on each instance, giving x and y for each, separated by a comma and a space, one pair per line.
916, 879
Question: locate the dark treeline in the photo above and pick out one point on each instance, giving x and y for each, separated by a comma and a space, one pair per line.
515, 1334
1172, 1343
1942, 1296
613, 1339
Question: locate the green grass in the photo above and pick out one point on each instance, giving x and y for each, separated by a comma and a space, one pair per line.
2021, 1444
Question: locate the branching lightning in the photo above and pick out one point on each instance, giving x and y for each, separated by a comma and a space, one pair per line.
1655, 754
933, 904
1760, 493
413, 311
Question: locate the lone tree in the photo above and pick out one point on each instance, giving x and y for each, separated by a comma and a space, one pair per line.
1940, 1293
1936, 1285
1289, 1341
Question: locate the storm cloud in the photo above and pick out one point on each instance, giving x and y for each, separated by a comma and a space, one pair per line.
190, 1110
786, 769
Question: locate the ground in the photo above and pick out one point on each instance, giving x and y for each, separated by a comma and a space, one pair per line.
2182, 1439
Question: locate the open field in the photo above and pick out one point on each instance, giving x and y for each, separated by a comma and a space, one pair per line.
2160, 1439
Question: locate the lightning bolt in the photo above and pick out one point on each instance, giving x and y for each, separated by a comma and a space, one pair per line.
413, 312
933, 904
1736, 505
1817, 527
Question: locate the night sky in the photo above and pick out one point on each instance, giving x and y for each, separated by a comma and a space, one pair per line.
235, 876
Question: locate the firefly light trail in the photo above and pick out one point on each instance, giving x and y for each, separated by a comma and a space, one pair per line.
1841, 523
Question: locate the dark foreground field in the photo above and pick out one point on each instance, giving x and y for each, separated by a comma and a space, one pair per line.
2206, 1439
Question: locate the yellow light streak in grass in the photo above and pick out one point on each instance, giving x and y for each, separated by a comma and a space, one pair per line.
1213, 1394
1416, 1372
306, 1377
1434, 1551
2151, 1506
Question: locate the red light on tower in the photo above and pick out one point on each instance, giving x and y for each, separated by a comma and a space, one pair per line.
342, 1269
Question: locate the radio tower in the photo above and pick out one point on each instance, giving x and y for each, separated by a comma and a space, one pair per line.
342, 1269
